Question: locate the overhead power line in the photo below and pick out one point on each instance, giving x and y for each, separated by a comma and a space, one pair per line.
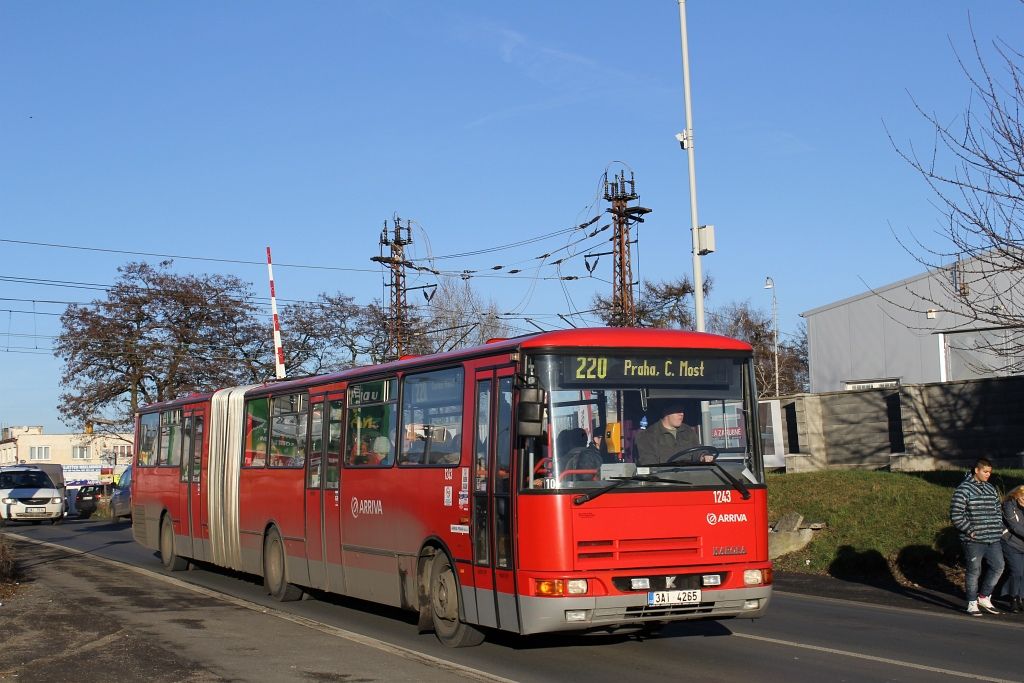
186, 258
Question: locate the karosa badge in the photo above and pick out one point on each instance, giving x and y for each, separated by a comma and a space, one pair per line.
726, 517
366, 507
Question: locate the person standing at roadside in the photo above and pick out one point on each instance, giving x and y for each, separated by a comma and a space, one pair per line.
976, 513
1013, 546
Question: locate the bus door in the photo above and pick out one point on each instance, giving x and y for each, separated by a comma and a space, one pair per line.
314, 494
492, 501
323, 517
189, 501
334, 431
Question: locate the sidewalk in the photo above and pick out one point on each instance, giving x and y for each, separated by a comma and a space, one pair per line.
891, 594
80, 618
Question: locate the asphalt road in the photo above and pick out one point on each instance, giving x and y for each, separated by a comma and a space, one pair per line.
219, 626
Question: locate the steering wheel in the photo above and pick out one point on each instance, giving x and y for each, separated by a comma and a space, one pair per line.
692, 452
543, 465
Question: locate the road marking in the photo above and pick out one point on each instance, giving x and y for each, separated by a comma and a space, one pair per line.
359, 638
873, 658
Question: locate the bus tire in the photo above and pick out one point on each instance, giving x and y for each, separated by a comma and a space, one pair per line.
172, 562
444, 606
275, 572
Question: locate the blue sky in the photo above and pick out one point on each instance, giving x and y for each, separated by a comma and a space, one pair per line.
217, 129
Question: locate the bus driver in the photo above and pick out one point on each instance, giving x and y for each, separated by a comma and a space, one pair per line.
666, 437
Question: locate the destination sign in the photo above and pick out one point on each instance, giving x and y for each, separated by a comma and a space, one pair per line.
646, 370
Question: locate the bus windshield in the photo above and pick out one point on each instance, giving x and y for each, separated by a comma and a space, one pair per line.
664, 419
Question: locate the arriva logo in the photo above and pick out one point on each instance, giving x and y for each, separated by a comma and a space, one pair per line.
366, 507
714, 519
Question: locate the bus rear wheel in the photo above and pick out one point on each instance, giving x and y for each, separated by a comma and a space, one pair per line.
275, 574
444, 606
168, 556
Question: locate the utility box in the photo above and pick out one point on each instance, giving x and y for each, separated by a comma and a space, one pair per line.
705, 239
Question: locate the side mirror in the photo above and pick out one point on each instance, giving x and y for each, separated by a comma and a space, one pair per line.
532, 403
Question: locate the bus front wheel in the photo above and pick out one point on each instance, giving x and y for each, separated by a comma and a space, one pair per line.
275, 574
444, 606
168, 556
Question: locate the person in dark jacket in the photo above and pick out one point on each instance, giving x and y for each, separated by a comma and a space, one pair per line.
976, 513
1013, 546
666, 437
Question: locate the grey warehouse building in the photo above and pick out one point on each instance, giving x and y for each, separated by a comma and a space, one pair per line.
913, 331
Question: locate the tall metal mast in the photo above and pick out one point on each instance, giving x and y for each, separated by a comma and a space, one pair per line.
397, 314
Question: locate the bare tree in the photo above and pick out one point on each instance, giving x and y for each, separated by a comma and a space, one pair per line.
157, 336
660, 304
326, 335
456, 317
975, 168
754, 326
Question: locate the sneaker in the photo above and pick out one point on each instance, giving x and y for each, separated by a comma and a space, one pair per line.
985, 603
972, 608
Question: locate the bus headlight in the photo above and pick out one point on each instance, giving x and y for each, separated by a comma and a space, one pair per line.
555, 588
756, 577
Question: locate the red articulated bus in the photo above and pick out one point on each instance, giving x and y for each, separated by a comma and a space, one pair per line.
585, 479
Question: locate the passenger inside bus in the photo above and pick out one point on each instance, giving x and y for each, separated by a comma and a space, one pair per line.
373, 449
381, 451
668, 437
577, 459
449, 452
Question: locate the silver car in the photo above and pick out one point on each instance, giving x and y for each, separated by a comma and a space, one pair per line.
121, 498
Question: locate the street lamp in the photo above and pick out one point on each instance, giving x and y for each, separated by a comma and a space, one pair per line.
686, 142
769, 283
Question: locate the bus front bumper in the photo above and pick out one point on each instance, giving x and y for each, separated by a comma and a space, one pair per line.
542, 615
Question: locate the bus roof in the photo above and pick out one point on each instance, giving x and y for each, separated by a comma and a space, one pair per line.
592, 337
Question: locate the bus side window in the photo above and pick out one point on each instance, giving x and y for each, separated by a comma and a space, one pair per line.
149, 424
332, 471
257, 416
288, 431
372, 424
169, 451
432, 417
316, 446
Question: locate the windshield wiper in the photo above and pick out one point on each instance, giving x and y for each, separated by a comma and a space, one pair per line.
580, 500
739, 485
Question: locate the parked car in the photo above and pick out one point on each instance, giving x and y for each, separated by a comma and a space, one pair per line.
121, 497
89, 496
28, 494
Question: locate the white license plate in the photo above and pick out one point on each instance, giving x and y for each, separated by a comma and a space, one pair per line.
35, 509
658, 598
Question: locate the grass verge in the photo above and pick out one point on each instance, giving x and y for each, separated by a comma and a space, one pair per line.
881, 526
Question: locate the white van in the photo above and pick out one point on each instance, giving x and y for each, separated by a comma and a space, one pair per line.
29, 494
